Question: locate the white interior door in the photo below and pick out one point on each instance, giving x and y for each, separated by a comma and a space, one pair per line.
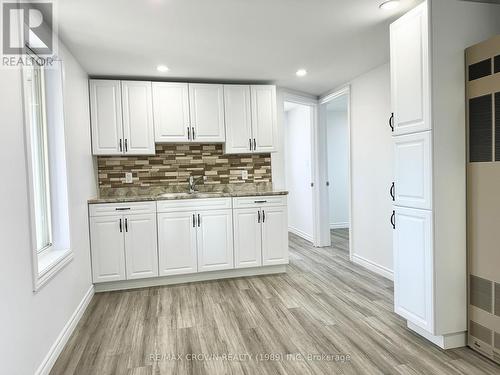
141, 253
177, 243
410, 72
206, 102
215, 240
237, 114
107, 248
413, 281
138, 130
413, 170
171, 111
106, 117
264, 121
274, 236
247, 237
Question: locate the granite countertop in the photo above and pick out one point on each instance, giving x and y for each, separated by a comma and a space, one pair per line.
155, 195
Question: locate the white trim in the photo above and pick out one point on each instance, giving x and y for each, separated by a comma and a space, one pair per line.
323, 204
189, 278
55, 261
448, 341
294, 97
62, 339
340, 225
372, 266
300, 233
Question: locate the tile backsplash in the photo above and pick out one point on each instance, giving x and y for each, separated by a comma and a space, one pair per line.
173, 163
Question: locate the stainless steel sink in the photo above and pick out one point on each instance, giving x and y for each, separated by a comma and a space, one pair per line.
194, 195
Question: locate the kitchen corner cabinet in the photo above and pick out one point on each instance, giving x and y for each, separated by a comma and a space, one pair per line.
121, 117
251, 123
260, 231
123, 241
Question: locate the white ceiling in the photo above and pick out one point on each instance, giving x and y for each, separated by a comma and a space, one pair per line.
241, 40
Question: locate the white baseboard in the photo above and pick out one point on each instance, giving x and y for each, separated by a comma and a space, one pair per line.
62, 339
339, 225
189, 278
300, 233
372, 266
449, 341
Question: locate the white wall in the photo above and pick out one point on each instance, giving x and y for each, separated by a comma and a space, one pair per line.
371, 168
297, 132
31, 322
338, 168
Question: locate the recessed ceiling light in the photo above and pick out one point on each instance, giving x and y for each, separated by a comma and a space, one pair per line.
162, 68
301, 73
389, 4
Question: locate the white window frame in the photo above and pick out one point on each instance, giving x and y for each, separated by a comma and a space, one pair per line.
46, 262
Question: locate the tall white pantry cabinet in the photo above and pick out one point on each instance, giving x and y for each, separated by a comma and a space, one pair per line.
429, 272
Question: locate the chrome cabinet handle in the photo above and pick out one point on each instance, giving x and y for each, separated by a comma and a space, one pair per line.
263, 216
254, 145
120, 226
121, 148
391, 121
126, 225
260, 201
189, 133
194, 221
250, 143
122, 208
392, 192
126, 145
199, 220
393, 219
194, 136
258, 216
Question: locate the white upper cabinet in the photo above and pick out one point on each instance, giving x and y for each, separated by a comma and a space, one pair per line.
264, 122
138, 131
410, 78
247, 237
215, 240
106, 117
171, 111
413, 170
413, 259
206, 105
107, 241
237, 111
141, 253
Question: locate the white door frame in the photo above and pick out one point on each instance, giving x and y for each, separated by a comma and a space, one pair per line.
322, 157
313, 104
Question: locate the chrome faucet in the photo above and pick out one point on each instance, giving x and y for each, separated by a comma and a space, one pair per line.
192, 183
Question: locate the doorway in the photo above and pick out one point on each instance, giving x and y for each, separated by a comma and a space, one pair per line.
299, 167
335, 163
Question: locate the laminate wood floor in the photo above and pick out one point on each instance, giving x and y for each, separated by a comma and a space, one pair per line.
326, 315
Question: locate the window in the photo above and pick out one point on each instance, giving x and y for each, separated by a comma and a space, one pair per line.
46, 162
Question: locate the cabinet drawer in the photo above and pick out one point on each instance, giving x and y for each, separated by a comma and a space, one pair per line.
264, 201
106, 209
180, 205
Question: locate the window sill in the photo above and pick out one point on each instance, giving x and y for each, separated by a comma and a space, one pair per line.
49, 264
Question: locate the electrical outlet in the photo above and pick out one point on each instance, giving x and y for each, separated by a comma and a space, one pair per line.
244, 174
128, 178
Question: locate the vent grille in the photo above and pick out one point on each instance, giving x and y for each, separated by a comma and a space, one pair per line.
497, 64
480, 332
480, 69
480, 128
480, 293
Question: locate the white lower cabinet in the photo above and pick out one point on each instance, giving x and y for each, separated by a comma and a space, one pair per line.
215, 240
177, 243
247, 238
413, 280
107, 241
274, 236
123, 241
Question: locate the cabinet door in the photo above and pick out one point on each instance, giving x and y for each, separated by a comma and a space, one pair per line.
106, 117
247, 237
177, 243
410, 86
215, 240
264, 123
141, 253
138, 132
206, 104
107, 248
274, 236
237, 114
413, 170
171, 111
413, 266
